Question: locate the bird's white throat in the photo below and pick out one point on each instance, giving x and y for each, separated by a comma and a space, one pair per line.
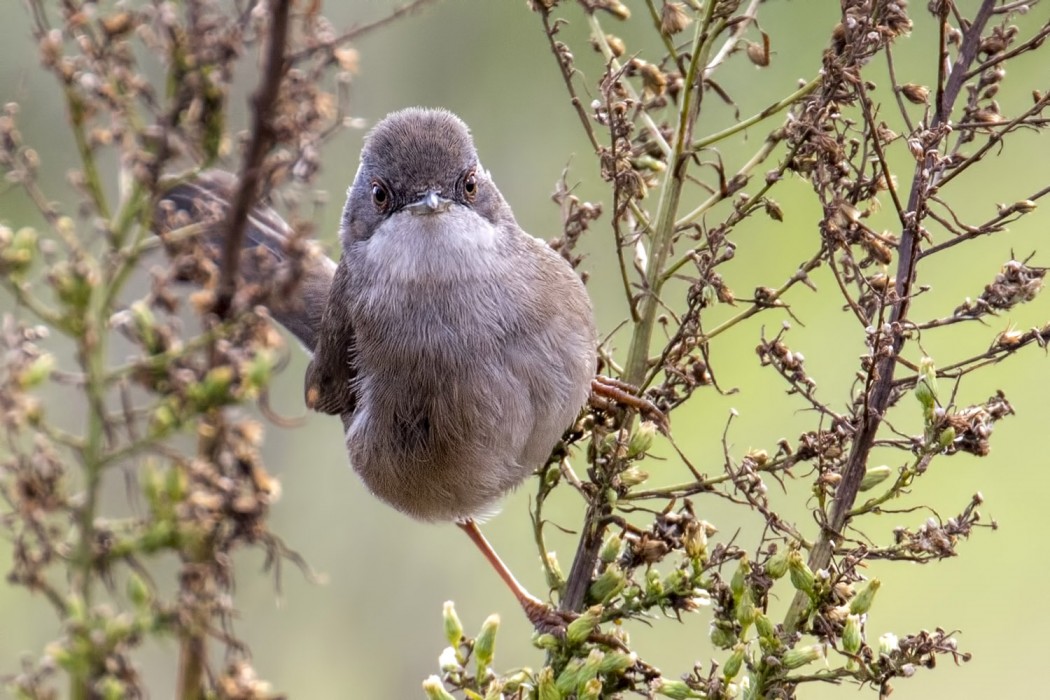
434, 246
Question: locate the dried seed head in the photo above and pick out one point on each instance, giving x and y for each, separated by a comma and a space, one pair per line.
759, 53
916, 94
614, 7
654, 81
616, 45
674, 18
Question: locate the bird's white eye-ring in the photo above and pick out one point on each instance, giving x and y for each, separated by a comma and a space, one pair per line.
380, 195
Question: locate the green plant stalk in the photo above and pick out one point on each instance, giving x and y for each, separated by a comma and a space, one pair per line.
760, 116
91, 354
91, 176
670, 194
127, 258
91, 349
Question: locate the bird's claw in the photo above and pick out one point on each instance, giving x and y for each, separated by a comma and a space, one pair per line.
609, 389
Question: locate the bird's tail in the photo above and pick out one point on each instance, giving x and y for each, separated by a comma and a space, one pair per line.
268, 244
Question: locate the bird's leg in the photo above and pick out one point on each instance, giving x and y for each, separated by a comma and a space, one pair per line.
540, 614
605, 389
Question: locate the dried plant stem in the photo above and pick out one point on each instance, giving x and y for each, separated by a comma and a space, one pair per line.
191, 668
880, 380
251, 169
603, 45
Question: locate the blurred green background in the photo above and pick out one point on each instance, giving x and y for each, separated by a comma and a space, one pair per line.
375, 628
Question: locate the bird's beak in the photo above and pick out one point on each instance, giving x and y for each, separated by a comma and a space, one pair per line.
430, 203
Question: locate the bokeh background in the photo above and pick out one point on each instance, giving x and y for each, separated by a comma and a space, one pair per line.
374, 628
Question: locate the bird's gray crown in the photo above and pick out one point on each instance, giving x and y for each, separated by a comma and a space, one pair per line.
417, 149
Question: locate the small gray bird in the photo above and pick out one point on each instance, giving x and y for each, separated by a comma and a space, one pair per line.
455, 347
461, 346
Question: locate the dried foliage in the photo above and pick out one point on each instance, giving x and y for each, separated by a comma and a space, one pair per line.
882, 172
201, 501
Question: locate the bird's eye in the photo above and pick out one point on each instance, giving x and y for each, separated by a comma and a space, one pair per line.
470, 185
380, 195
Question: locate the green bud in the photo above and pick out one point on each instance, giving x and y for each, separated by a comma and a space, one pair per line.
514, 681
926, 387
777, 565
138, 592
633, 476
746, 612
110, 688
645, 162
453, 627
553, 573
435, 689
60, 655
616, 663
723, 635
581, 628
146, 327
641, 440
611, 548
258, 372
592, 690
160, 535
37, 371
608, 585
609, 442
485, 644
677, 582
174, 485
117, 628
213, 390
76, 610
164, 419
765, 628
735, 662
739, 581
570, 678
674, 689
545, 641
861, 603
800, 656
495, 690
578, 672
946, 438
74, 283
874, 476
546, 688
801, 575
851, 637
654, 587
17, 250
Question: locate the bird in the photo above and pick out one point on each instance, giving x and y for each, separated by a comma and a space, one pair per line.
455, 347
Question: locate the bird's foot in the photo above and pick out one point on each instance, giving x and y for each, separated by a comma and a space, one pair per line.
547, 618
609, 390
